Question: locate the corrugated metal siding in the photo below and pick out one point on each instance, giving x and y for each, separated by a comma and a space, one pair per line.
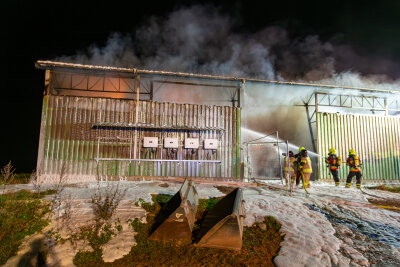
376, 140
68, 137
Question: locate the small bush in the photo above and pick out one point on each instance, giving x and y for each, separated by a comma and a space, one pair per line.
99, 231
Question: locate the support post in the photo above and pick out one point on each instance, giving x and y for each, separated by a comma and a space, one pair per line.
386, 107
279, 155
310, 126
316, 127
238, 143
137, 115
289, 181
47, 80
41, 166
151, 90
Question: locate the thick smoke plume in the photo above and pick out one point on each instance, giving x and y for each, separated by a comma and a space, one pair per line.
199, 39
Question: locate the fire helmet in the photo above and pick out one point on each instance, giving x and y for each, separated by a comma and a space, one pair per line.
352, 152
301, 149
332, 151
304, 153
291, 154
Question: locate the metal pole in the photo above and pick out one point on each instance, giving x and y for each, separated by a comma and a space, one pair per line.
316, 127
238, 143
249, 167
151, 90
279, 155
386, 107
137, 115
310, 127
288, 161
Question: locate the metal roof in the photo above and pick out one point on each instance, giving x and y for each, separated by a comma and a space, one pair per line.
53, 65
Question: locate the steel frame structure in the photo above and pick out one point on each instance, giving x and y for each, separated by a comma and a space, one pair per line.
123, 84
355, 102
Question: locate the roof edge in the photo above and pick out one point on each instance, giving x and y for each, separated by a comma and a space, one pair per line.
52, 65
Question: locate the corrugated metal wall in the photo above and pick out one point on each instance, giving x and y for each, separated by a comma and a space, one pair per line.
376, 140
68, 138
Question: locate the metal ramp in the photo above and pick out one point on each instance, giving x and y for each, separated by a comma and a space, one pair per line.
223, 225
175, 220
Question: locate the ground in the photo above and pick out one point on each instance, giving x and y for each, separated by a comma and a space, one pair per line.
331, 226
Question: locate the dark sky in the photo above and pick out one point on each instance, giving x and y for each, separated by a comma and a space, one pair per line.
44, 30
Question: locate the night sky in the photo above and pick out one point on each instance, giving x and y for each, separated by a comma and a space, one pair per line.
45, 30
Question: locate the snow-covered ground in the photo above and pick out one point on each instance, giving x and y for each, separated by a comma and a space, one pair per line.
332, 226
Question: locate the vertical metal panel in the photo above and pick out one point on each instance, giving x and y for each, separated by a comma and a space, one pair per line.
375, 139
69, 139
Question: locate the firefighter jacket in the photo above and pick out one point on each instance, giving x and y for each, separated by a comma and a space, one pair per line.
333, 161
354, 162
291, 164
305, 165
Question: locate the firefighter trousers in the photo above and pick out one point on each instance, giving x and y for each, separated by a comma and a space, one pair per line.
351, 175
307, 180
292, 177
335, 175
298, 177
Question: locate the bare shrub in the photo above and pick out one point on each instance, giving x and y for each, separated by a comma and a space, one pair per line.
35, 182
100, 228
58, 187
104, 202
7, 175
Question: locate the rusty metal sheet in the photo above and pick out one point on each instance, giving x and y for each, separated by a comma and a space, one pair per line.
176, 219
375, 138
223, 225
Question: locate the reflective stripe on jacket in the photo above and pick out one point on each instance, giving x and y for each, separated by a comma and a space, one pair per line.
333, 161
306, 168
354, 163
285, 163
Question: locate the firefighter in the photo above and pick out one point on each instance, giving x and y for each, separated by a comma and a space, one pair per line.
333, 163
305, 168
355, 168
297, 164
291, 166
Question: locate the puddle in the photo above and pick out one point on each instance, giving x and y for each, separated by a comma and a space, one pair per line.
375, 230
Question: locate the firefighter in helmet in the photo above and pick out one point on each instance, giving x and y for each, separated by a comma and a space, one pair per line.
333, 163
355, 168
288, 167
304, 168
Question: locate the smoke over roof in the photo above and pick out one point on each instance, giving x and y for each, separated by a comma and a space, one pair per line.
200, 39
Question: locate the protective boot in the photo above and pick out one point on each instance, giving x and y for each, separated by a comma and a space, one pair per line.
337, 183
348, 185
358, 186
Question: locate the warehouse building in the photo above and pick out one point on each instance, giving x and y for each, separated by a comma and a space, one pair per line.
126, 123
